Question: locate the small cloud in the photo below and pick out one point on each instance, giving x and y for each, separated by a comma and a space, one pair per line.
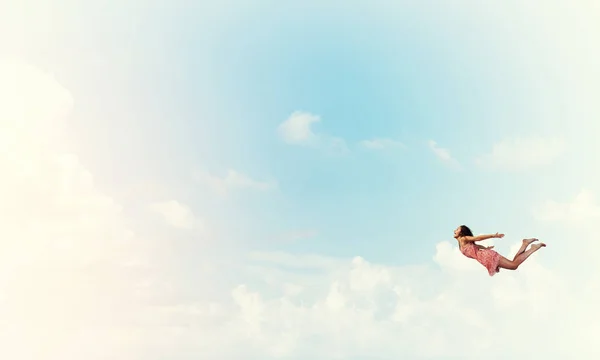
582, 209
444, 155
381, 143
176, 214
297, 130
516, 154
234, 180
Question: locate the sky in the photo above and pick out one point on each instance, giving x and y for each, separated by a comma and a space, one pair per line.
281, 180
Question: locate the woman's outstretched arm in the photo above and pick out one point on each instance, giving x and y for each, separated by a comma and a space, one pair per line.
482, 237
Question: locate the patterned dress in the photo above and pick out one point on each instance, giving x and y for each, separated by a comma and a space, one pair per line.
486, 257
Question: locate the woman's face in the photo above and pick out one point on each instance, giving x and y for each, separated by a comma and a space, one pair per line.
457, 232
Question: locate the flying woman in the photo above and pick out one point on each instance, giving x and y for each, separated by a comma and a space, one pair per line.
488, 257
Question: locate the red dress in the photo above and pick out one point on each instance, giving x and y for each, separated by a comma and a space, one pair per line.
486, 257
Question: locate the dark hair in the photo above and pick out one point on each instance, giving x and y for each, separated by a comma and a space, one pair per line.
465, 231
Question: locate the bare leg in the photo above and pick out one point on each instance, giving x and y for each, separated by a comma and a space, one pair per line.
513, 265
526, 243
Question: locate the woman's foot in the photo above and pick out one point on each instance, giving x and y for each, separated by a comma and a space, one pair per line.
538, 246
526, 242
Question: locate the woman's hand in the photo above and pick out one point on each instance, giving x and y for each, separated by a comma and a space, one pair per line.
499, 236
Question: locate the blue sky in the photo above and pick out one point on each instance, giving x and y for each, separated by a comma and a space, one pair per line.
212, 93
221, 205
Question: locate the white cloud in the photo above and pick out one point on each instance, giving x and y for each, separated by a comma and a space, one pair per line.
381, 143
233, 180
516, 154
176, 214
443, 154
582, 210
297, 130
303, 306
68, 269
